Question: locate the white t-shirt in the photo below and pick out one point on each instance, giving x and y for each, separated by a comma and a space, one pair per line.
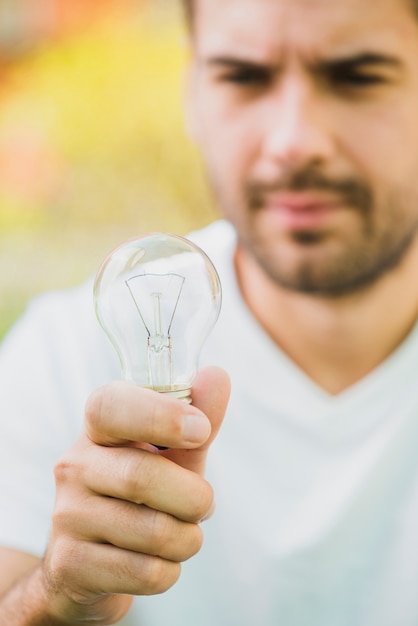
317, 495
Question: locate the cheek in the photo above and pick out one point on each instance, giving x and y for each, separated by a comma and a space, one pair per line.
390, 154
227, 150
224, 121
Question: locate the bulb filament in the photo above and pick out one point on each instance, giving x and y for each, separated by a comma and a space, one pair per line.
157, 308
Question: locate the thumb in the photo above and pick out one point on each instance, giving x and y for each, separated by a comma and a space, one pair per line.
210, 394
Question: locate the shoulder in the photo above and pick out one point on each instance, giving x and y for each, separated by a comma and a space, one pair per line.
59, 337
51, 318
218, 241
215, 238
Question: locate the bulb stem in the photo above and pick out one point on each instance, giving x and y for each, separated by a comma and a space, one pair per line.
181, 393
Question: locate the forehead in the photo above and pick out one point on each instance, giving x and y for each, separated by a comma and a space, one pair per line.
262, 28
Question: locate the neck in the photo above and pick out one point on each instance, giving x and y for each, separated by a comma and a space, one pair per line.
335, 341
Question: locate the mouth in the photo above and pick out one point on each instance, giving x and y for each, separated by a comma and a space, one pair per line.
301, 211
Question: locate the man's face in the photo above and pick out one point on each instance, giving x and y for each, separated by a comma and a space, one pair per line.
306, 112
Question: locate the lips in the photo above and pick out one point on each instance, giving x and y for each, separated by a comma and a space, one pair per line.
297, 211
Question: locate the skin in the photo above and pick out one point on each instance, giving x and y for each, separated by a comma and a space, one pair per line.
298, 121
318, 178
126, 516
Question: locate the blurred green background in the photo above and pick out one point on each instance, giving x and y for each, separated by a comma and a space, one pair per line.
92, 142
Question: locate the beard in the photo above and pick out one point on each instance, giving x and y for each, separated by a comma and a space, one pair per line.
329, 263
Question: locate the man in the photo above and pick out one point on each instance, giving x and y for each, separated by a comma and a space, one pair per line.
305, 112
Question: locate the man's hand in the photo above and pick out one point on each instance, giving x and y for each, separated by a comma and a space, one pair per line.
127, 514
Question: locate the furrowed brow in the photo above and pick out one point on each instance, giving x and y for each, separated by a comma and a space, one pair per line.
234, 63
359, 61
367, 59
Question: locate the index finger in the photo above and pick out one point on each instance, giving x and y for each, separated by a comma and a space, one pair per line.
120, 413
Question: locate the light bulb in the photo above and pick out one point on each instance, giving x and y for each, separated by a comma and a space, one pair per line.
157, 298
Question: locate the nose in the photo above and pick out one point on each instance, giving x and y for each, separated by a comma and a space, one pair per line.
297, 126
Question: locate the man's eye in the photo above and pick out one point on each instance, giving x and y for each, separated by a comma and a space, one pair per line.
246, 77
357, 79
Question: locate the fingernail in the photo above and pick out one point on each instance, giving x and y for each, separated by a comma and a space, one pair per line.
196, 428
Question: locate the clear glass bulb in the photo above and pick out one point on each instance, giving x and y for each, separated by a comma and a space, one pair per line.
157, 298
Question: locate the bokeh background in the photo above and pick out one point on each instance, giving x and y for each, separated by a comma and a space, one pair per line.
92, 142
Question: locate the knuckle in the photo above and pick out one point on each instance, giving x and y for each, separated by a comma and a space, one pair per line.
173, 538
137, 477
202, 503
71, 519
93, 407
161, 532
60, 519
159, 575
195, 541
102, 404
165, 417
99, 404
64, 470
59, 562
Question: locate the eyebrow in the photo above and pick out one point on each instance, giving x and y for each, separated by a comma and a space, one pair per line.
226, 61
357, 60
361, 59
